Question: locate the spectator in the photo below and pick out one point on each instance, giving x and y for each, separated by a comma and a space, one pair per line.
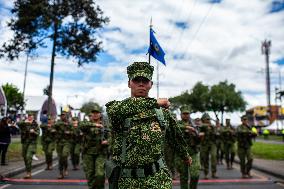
44, 117
5, 139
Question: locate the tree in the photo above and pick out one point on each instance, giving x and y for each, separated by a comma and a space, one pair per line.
89, 106
71, 25
178, 101
225, 98
15, 99
199, 97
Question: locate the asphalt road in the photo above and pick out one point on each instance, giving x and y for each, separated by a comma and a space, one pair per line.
228, 179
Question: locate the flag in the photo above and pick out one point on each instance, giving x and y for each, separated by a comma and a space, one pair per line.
155, 49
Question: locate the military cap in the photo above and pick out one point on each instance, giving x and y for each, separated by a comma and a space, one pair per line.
205, 116
140, 69
185, 109
244, 117
96, 109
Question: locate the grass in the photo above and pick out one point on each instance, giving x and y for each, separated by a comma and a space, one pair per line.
268, 151
272, 137
15, 151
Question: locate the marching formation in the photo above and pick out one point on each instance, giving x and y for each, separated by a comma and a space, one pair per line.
142, 145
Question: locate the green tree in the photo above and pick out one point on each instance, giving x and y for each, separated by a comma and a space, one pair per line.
178, 101
225, 98
70, 25
15, 99
89, 106
199, 97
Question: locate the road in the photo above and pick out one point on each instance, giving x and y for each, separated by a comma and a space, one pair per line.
228, 179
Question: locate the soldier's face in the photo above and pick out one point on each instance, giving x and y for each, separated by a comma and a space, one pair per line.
96, 116
185, 116
245, 121
140, 86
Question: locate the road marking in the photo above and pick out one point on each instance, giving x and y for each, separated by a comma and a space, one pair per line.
5, 186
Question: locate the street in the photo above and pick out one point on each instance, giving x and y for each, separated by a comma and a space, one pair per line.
228, 179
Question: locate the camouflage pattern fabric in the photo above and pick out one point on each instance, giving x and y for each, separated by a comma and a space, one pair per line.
47, 141
208, 148
244, 138
29, 142
94, 153
145, 140
64, 132
76, 143
219, 145
140, 69
193, 141
228, 135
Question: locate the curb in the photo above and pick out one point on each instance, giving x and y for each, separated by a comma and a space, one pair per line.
264, 170
20, 170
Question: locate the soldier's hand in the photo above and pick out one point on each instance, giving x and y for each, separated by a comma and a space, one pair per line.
189, 128
188, 161
32, 130
104, 142
98, 125
163, 102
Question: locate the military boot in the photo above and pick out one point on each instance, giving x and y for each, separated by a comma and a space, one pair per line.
28, 175
61, 176
214, 175
66, 172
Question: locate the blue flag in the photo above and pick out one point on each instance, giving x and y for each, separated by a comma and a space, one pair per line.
155, 49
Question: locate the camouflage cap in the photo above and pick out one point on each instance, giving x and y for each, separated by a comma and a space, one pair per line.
140, 69
244, 117
205, 116
185, 109
96, 109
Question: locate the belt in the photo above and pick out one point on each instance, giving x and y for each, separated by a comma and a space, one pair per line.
144, 171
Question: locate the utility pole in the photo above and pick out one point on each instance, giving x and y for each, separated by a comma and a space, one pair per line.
265, 49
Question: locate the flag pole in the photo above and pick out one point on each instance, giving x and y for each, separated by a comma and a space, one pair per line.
150, 40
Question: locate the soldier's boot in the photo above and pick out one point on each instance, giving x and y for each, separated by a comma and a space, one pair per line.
249, 175
193, 183
28, 175
60, 176
214, 175
244, 175
65, 172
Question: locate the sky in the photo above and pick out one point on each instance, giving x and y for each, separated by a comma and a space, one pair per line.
204, 40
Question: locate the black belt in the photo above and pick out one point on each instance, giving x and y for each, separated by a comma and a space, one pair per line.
143, 171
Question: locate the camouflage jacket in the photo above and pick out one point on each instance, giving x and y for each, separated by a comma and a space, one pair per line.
228, 135
191, 137
209, 134
77, 135
48, 133
27, 136
145, 137
244, 136
92, 138
64, 132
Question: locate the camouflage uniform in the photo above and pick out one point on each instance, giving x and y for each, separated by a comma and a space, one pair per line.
228, 135
219, 143
64, 132
29, 134
76, 143
94, 153
192, 139
244, 138
139, 131
208, 146
48, 143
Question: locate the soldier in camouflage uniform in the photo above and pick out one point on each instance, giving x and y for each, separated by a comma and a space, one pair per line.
219, 143
64, 132
208, 146
139, 130
95, 146
228, 135
48, 142
191, 136
29, 133
244, 138
76, 144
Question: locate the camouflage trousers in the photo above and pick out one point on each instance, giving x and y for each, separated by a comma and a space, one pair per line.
94, 170
75, 153
28, 150
230, 151
48, 148
160, 180
246, 158
206, 152
63, 151
170, 159
185, 171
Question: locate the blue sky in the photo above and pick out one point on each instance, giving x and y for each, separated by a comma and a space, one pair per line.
204, 40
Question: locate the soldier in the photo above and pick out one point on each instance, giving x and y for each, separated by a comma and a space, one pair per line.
95, 146
244, 138
76, 144
47, 141
139, 130
219, 143
29, 133
228, 135
191, 136
64, 132
208, 146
